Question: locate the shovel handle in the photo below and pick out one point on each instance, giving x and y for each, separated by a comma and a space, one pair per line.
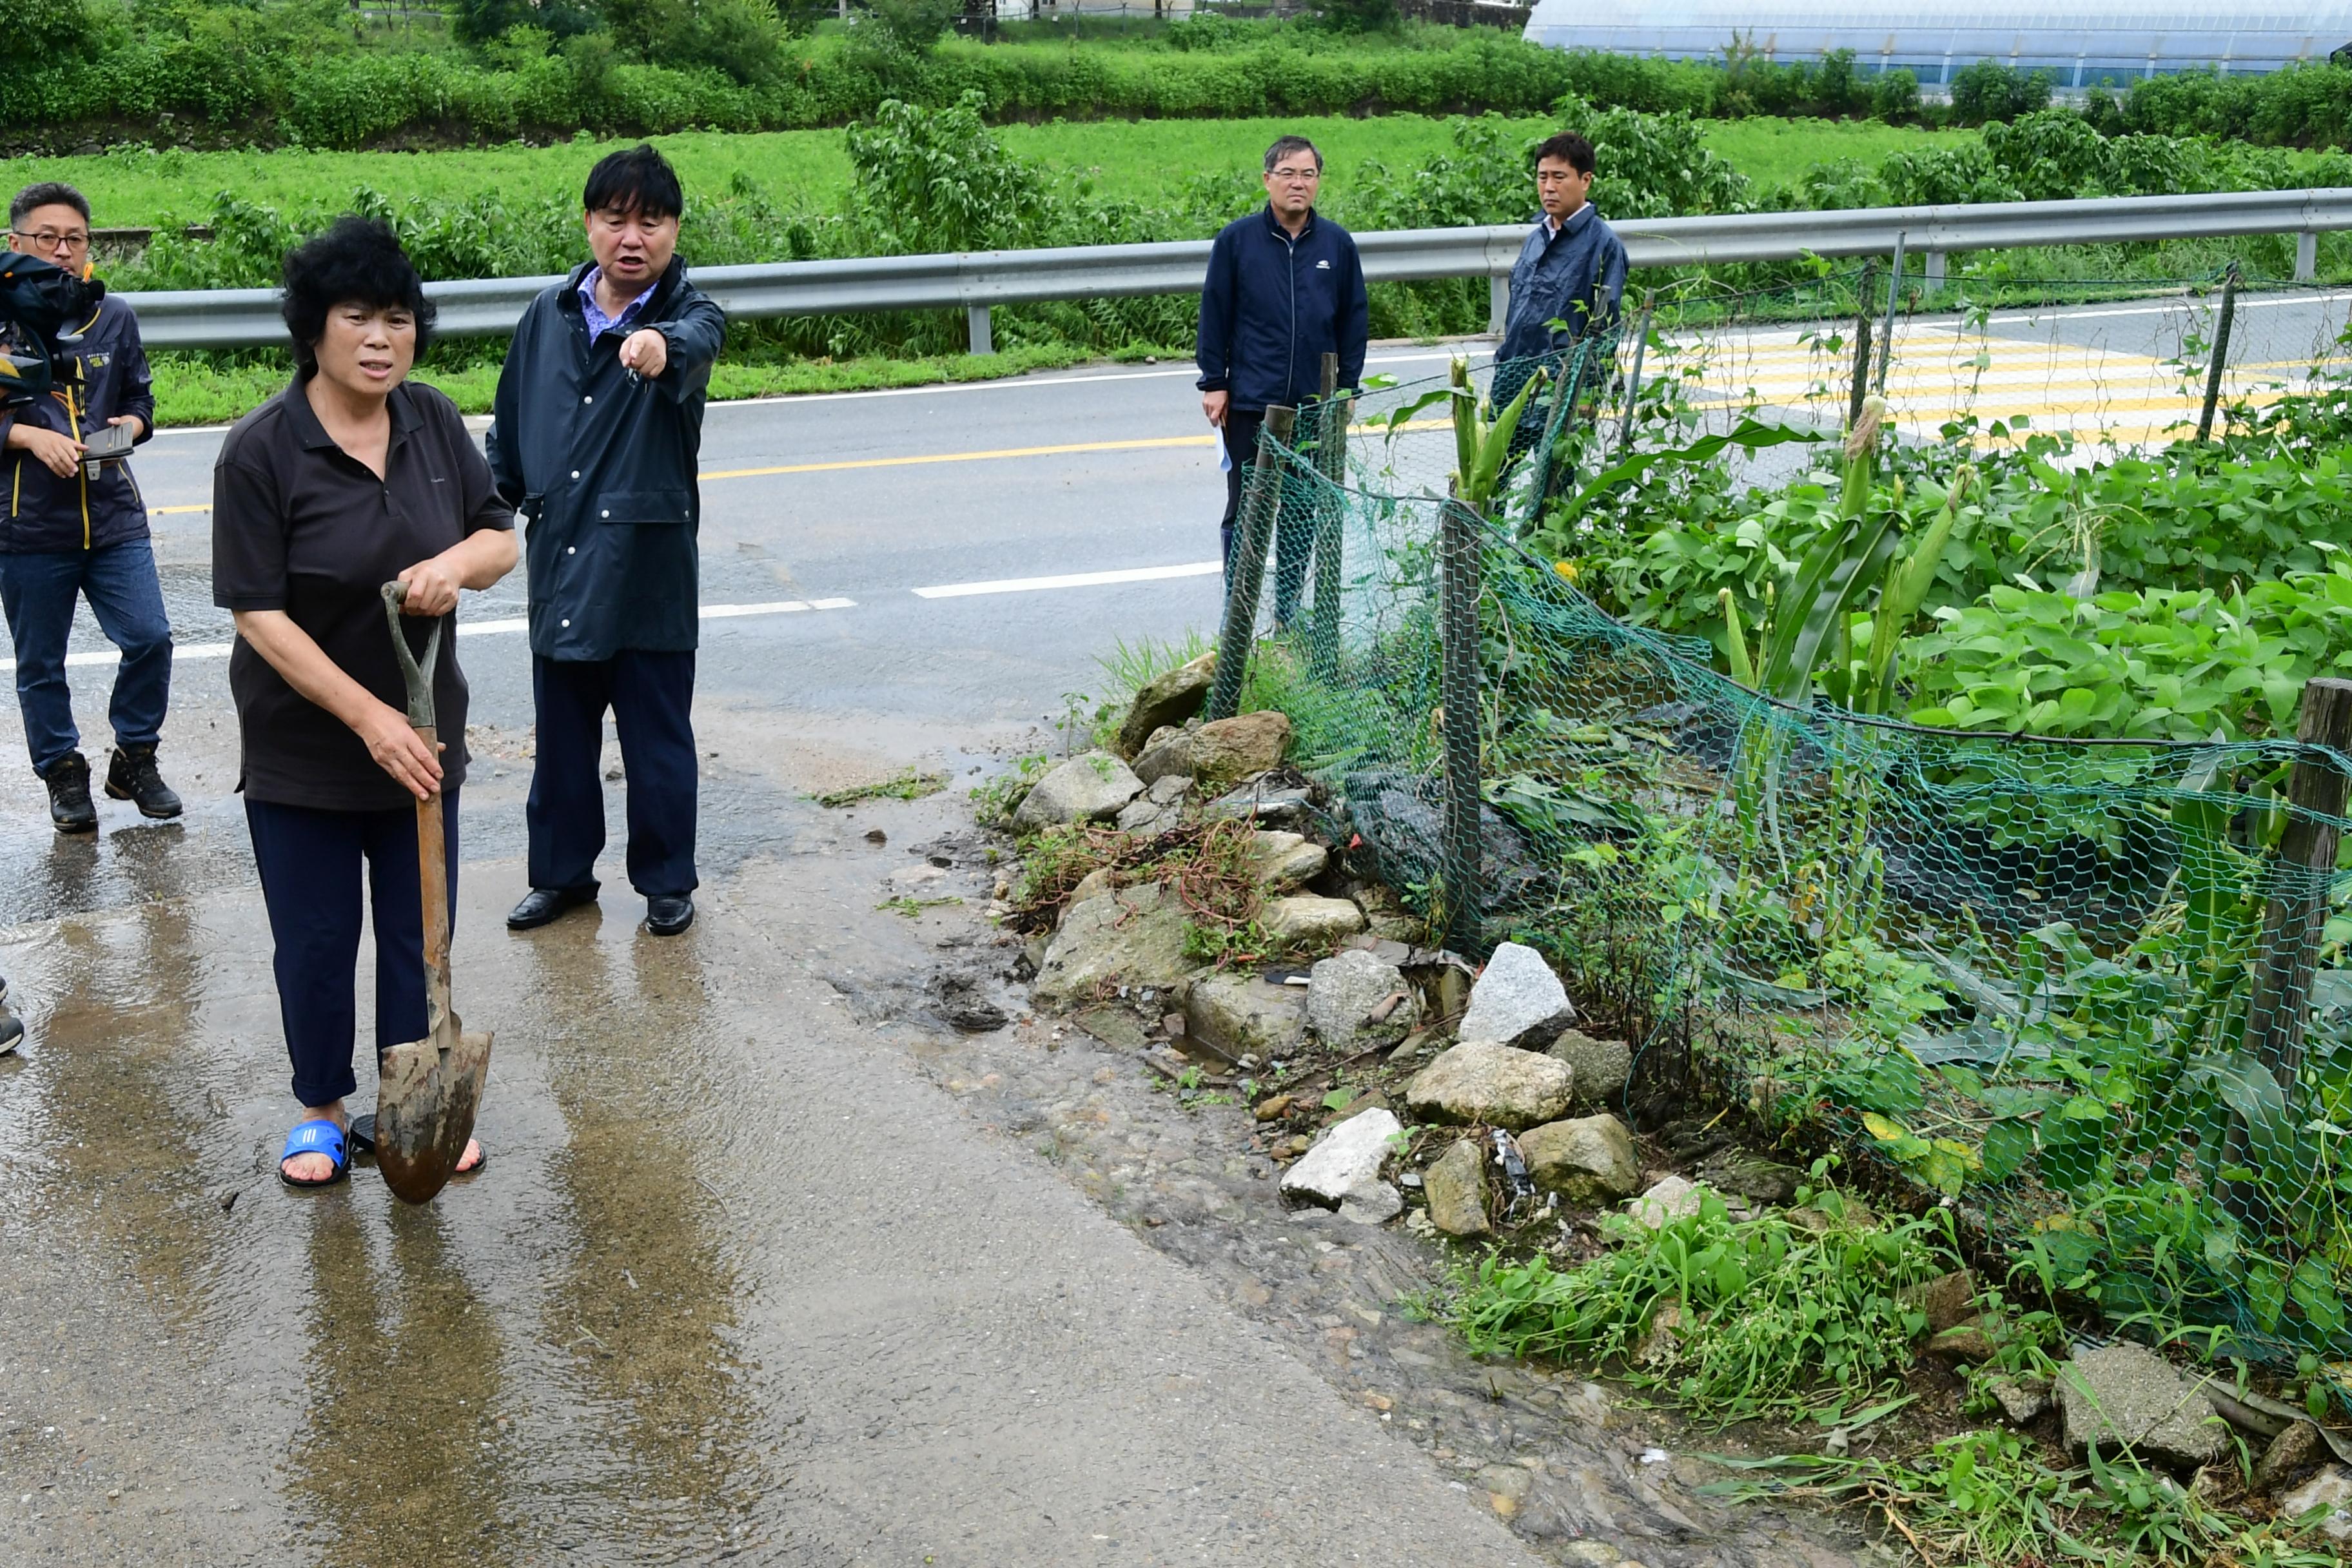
419, 676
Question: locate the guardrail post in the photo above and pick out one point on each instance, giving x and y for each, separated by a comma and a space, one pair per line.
1499, 303
2213, 371
984, 342
1245, 574
1458, 553
1861, 343
1935, 270
2307, 256
1331, 462
1886, 328
2294, 913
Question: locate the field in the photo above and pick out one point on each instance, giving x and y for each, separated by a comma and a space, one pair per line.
809, 170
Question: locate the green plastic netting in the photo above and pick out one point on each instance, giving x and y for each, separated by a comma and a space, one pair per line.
2087, 991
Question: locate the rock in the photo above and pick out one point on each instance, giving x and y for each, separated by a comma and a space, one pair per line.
1267, 806
1456, 1186
919, 874
1586, 1160
1830, 1211
1231, 750
1760, 1181
1345, 1162
1089, 788
1170, 699
1948, 1300
1517, 1001
1600, 1067
2291, 1455
1402, 824
1157, 809
2124, 1396
1375, 1205
1286, 860
1670, 1199
1362, 1102
1240, 1015
1506, 1486
1345, 990
2330, 1489
1490, 1084
1970, 1342
1167, 758
1093, 884
1311, 922
965, 1005
2022, 1399
1134, 936
1276, 1108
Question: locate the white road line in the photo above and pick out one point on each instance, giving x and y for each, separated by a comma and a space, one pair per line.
471, 628
1071, 580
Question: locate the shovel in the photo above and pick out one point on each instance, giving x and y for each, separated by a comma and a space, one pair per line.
428, 1090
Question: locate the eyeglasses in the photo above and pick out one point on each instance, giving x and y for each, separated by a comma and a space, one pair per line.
50, 240
1296, 176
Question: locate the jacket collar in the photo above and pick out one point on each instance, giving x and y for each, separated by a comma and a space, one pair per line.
665, 289
313, 434
1274, 226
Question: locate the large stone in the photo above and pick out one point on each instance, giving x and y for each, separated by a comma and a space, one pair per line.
1241, 1015
1600, 1067
1157, 809
2290, 1457
1586, 1161
2022, 1399
1170, 699
1668, 1200
1345, 990
2123, 1396
1256, 800
1751, 1176
1133, 936
1089, 788
2330, 1489
1456, 1187
1947, 1300
1311, 922
1345, 1162
1517, 1001
1231, 750
1375, 1205
1492, 1085
1166, 756
1286, 860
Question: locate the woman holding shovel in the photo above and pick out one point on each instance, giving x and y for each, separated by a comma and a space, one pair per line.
347, 480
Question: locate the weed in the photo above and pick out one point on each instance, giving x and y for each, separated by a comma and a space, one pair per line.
994, 801
910, 784
912, 908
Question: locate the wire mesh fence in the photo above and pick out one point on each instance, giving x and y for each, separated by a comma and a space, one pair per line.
2093, 991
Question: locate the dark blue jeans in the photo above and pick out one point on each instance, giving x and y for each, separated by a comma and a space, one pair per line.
651, 696
38, 590
309, 862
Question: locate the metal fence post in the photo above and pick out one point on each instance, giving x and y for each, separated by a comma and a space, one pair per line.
2307, 256
1634, 378
1331, 462
1861, 344
1935, 270
2293, 914
1245, 574
1460, 544
2221, 354
1499, 303
1886, 328
984, 342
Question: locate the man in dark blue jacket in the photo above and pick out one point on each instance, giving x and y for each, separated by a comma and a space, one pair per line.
1567, 282
595, 438
76, 528
1285, 287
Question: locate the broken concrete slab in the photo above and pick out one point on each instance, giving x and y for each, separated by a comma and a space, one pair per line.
2124, 1396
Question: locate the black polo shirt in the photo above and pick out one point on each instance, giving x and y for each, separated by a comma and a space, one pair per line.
299, 525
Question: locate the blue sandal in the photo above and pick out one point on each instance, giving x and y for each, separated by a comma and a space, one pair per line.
318, 1136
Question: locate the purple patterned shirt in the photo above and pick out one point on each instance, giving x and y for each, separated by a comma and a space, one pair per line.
598, 323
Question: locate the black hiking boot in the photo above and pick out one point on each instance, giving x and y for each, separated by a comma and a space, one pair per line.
131, 775
69, 806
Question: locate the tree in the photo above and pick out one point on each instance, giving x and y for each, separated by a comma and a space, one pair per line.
741, 37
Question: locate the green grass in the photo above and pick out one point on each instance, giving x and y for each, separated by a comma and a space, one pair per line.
911, 785
1125, 160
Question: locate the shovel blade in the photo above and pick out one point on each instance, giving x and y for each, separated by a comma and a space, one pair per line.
427, 1093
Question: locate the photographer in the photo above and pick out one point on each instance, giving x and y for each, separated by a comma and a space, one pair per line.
75, 527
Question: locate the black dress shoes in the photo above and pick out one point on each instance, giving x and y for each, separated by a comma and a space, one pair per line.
542, 905
670, 914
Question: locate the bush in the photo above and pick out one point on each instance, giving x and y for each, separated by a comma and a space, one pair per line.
1988, 90
741, 37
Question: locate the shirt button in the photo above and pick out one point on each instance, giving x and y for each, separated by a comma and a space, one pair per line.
603, 514
587, 400
575, 473
567, 623
571, 549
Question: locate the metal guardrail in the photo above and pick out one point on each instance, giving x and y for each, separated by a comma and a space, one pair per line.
248, 318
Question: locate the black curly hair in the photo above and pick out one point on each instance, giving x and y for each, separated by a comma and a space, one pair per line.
355, 259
